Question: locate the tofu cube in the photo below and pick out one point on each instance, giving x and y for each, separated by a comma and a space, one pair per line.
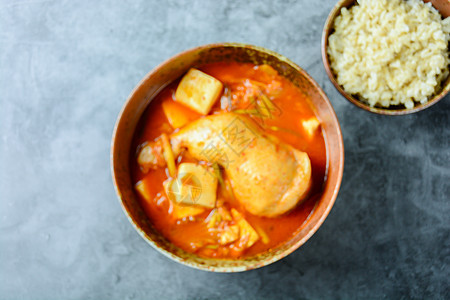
173, 190
198, 91
310, 126
194, 185
179, 210
247, 234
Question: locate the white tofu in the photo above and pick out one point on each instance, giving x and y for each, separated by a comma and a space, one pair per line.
194, 185
179, 211
198, 91
310, 126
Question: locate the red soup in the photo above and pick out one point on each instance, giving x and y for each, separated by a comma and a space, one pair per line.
258, 198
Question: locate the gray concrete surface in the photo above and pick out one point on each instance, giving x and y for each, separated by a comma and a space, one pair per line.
66, 68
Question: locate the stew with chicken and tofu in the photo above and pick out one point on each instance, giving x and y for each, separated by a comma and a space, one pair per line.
230, 160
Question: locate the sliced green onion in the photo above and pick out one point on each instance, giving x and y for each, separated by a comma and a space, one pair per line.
264, 237
212, 247
218, 175
168, 155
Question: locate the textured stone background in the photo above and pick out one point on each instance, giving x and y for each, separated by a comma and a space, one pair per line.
66, 68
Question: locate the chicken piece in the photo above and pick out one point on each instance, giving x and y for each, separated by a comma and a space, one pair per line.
268, 178
151, 156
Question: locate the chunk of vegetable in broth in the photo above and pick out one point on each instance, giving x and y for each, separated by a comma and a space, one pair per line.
218, 215
183, 211
248, 235
178, 211
310, 126
177, 114
229, 234
198, 91
194, 185
143, 190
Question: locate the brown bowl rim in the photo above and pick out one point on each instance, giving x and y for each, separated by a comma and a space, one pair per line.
376, 110
334, 190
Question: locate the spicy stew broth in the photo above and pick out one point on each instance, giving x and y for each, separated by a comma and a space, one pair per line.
292, 107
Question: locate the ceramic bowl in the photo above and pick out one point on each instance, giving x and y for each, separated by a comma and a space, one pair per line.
443, 6
172, 69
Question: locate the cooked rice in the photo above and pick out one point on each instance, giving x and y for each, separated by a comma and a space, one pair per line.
390, 52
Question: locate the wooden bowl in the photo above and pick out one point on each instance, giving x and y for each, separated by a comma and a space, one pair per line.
443, 6
172, 69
